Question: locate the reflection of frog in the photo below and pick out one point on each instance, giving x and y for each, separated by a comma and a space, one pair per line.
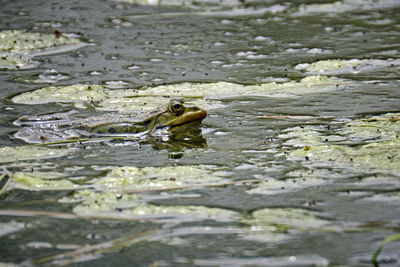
62, 126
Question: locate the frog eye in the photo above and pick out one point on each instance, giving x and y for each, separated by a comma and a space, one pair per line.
176, 107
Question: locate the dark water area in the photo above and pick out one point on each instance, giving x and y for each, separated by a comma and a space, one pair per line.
247, 197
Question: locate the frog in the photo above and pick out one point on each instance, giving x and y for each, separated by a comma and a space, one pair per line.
74, 125
175, 114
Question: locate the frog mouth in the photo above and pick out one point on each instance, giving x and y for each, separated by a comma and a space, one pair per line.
188, 117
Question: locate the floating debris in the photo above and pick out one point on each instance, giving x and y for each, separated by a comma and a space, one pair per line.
18, 47
353, 66
205, 95
372, 143
43, 181
22, 153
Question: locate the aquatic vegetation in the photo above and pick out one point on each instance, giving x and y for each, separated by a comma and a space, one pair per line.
389, 239
9, 61
376, 138
42, 181
345, 6
274, 186
376, 128
152, 178
353, 66
205, 95
18, 47
277, 224
287, 218
221, 90
186, 3
114, 205
22, 153
291, 161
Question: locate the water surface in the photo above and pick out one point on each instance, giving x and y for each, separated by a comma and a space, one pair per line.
336, 214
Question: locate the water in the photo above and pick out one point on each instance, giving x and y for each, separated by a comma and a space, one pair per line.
133, 46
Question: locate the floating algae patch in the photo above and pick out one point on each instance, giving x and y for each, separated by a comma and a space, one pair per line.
286, 217
9, 61
103, 98
274, 186
371, 143
276, 224
22, 42
384, 127
21, 153
380, 155
221, 90
127, 206
73, 93
153, 178
17, 47
196, 5
205, 95
300, 136
346, 6
353, 66
297, 180
42, 181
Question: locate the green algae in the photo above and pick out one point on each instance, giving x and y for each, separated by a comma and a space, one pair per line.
381, 155
72, 93
353, 66
23, 42
150, 178
205, 95
287, 218
42, 181
18, 47
278, 224
9, 61
274, 186
114, 205
307, 85
196, 5
377, 145
384, 127
22, 153
345, 6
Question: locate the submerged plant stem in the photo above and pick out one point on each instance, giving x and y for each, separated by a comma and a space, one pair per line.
392, 238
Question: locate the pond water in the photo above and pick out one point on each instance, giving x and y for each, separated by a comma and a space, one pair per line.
296, 164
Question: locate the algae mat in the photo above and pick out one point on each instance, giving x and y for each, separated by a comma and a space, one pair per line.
296, 163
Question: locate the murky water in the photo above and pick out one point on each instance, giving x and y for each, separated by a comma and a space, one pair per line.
285, 209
